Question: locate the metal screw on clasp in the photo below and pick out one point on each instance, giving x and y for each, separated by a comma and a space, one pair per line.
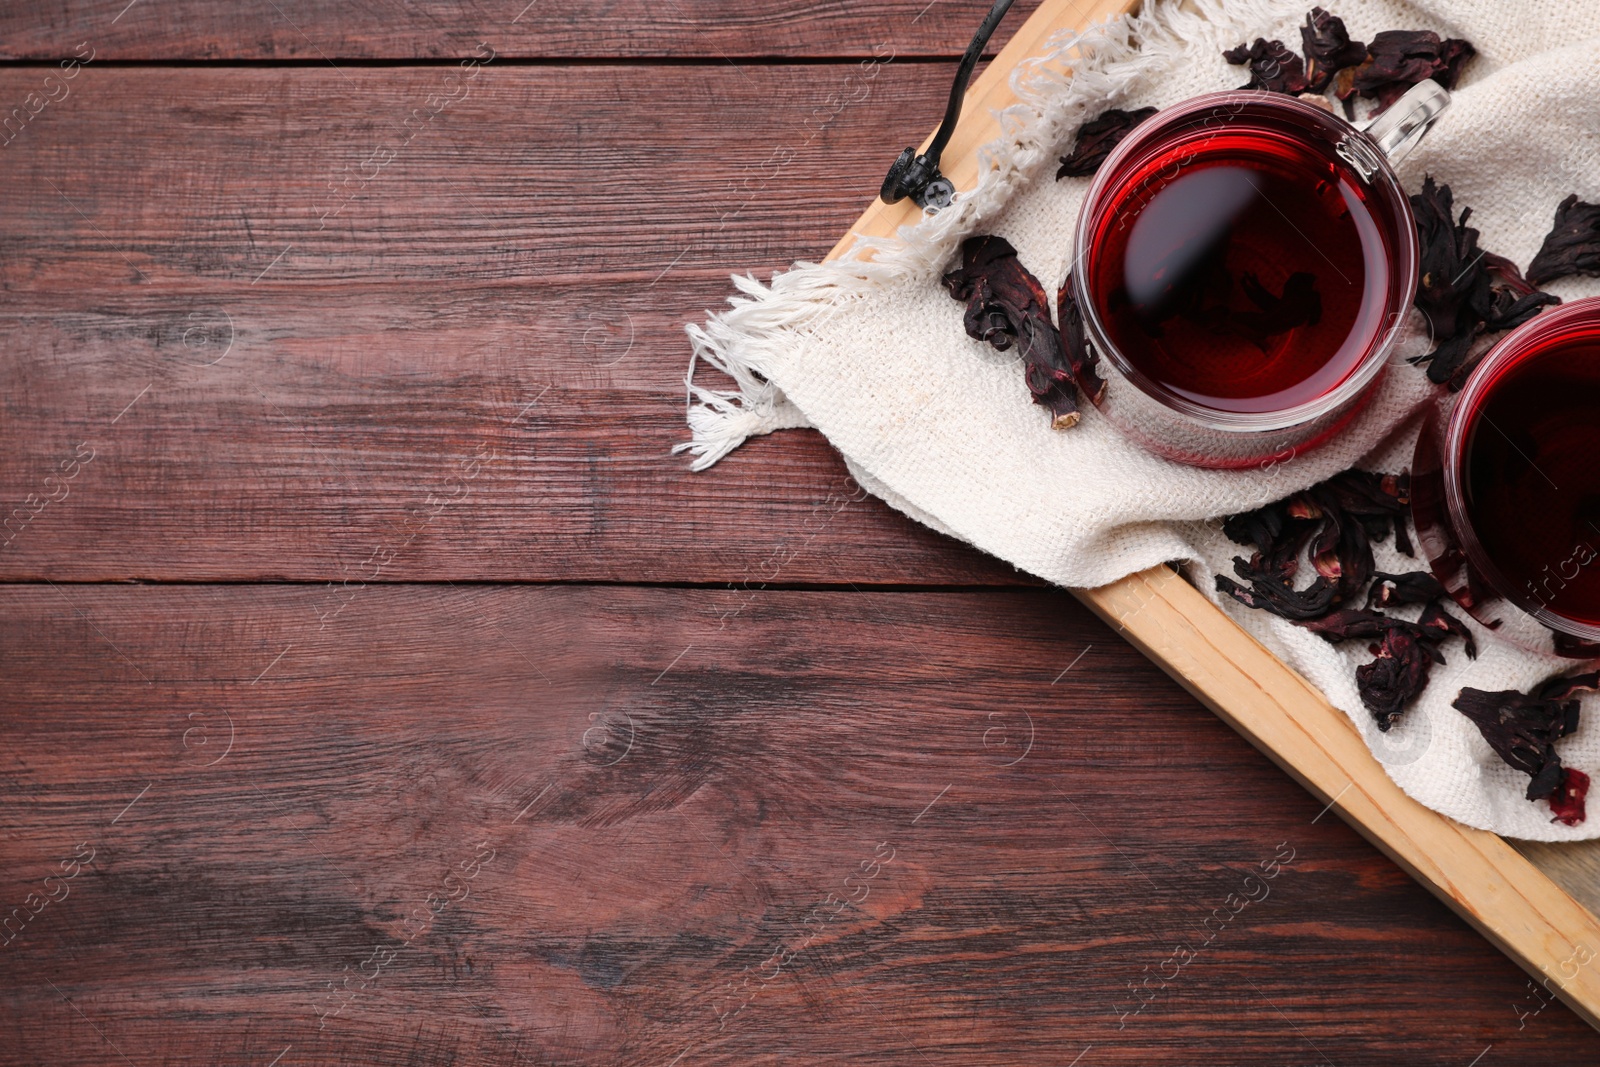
917, 177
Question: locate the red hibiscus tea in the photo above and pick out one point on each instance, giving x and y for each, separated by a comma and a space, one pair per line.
1528, 476
1245, 273
1242, 263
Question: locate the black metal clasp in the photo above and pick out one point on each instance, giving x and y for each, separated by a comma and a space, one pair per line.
917, 176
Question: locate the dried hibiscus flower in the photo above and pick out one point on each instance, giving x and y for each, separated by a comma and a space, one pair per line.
1336, 521
1097, 138
1403, 655
1392, 590
1328, 49
1272, 66
1007, 306
1566, 803
1573, 245
1380, 501
1396, 676
1523, 728
1464, 292
1399, 59
1357, 508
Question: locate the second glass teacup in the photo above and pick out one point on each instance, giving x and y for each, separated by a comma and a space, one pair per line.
1506, 485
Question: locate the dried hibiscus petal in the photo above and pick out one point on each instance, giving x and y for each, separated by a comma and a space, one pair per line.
1433, 627
1284, 557
1438, 624
1523, 728
1464, 292
1328, 49
1448, 251
1366, 493
1513, 299
1561, 689
1391, 590
1343, 550
1272, 66
1396, 676
1398, 59
1081, 357
1269, 593
1280, 539
1007, 306
1572, 246
1261, 527
1097, 138
1365, 506
1348, 624
1566, 803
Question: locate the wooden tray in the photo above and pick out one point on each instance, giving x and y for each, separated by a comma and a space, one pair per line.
1524, 897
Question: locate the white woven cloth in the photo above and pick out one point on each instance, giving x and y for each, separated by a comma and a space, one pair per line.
873, 353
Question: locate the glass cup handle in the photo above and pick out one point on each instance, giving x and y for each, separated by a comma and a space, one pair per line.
1398, 130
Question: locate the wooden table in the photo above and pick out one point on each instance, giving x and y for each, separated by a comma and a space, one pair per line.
377, 690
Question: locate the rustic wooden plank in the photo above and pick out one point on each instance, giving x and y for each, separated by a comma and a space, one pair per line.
1488, 882
343, 455
324, 30
196, 177
666, 785
298, 390
1574, 867
1496, 888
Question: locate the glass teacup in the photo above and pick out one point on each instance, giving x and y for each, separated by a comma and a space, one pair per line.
1245, 263
1506, 485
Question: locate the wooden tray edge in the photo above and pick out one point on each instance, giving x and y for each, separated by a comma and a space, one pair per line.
1503, 895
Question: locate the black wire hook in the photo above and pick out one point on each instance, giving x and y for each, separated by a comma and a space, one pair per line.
918, 176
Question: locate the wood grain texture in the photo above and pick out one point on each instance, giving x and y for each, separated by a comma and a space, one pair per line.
196, 177
1493, 886
325, 30
359, 822
1574, 867
304, 391
1498, 889
666, 785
